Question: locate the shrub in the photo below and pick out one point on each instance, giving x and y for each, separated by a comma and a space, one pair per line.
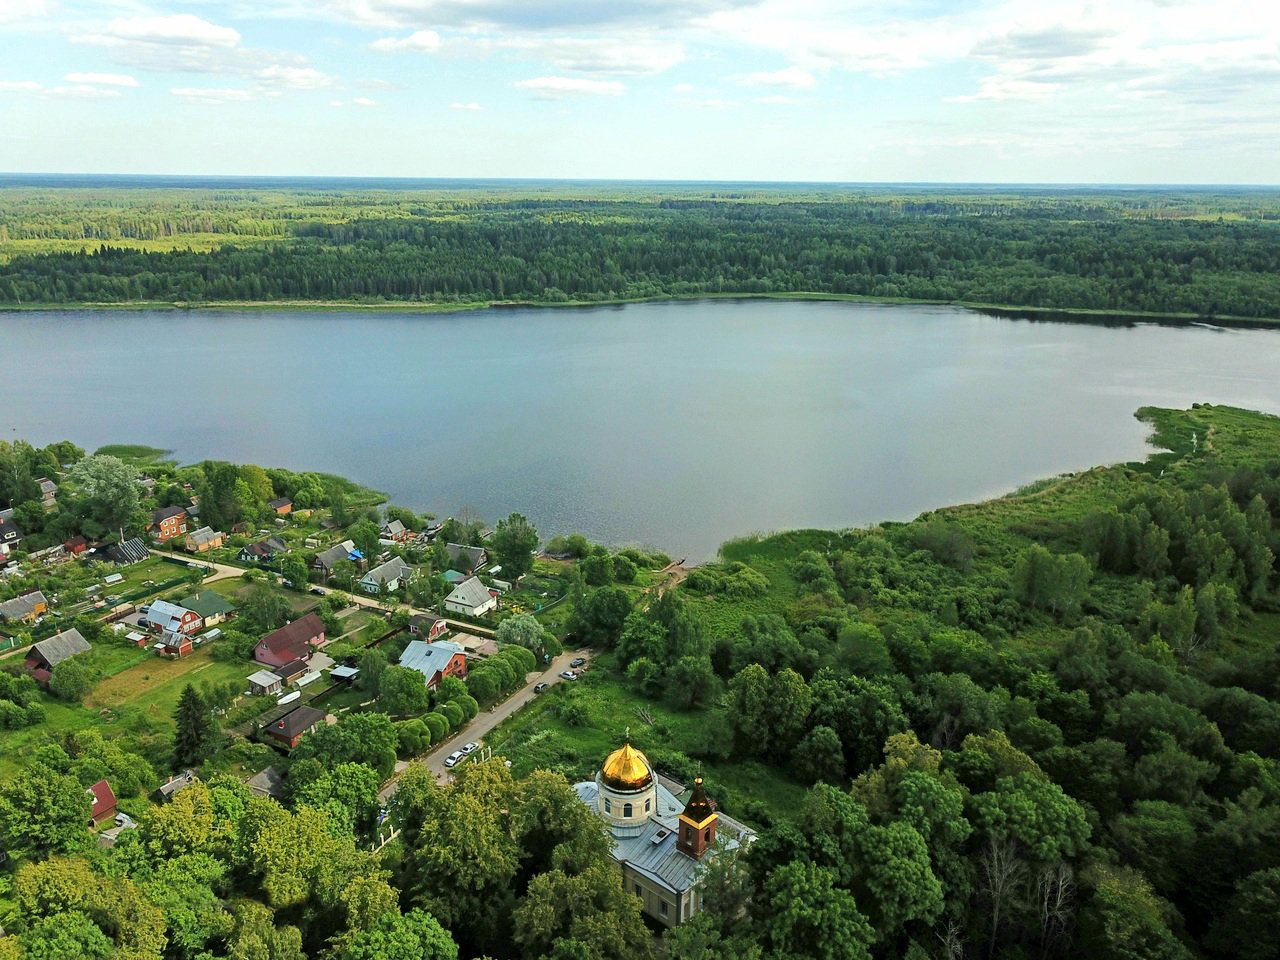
414, 737
437, 725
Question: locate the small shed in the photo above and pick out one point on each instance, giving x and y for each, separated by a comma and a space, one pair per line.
267, 783
264, 682
344, 673
175, 784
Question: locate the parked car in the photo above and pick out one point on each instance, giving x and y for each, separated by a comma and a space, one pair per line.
454, 758
470, 748
568, 675
318, 591
577, 661
538, 688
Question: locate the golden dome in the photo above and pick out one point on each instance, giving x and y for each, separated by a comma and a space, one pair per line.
626, 769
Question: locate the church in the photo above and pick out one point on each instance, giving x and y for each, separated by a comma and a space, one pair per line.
659, 842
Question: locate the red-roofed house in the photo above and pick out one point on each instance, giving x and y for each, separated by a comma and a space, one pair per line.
293, 641
104, 803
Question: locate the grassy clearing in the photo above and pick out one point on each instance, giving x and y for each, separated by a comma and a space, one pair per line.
157, 682
537, 737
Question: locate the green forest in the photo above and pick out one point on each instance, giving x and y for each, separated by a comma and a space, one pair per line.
1198, 253
1045, 726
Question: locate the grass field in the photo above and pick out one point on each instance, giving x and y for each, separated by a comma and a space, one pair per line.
537, 738
154, 685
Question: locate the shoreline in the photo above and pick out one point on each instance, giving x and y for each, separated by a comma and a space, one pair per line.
1007, 311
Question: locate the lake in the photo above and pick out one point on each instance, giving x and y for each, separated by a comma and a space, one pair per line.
675, 425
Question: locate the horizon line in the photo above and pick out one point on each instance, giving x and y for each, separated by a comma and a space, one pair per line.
25, 177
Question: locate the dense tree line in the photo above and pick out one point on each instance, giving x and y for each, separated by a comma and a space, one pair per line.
1028, 251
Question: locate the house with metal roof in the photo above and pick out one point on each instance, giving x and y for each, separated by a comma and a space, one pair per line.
48, 492
168, 617
264, 681
212, 607
395, 530
168, 522
203, 540
435, 661
291, 728
471, 598
264, 551
129, 551
293, 641
659, 843
395, 573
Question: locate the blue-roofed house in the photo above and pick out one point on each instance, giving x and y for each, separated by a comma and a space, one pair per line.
435, 661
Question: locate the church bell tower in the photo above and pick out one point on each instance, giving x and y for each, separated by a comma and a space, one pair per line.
697, 824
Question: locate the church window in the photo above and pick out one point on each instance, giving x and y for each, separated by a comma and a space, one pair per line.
626, 810
662, 907
608, 807
706, 836
646, 806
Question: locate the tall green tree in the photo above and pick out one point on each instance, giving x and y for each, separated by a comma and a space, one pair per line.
195, 731
512, 544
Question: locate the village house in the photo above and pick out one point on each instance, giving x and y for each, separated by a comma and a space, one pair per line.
168, 523
102, 803
264, 682
174, 645
175, 784
471, 598
75, 546
470, 559
396, 531
435, 661
165, 617
267, 783
48, 653
204, 539
293, 641
212, 607
48, 492
428, 626
264, 551
25, 608
10, 535
290, 728
326, 559
129, 551
282, 506
395, 573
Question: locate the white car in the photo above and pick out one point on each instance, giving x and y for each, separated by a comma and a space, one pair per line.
568, 675
470, 748
454, 758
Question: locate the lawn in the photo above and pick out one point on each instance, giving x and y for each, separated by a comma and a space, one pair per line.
154, 685
537, 738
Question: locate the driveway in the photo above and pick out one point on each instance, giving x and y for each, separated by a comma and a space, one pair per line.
485, 721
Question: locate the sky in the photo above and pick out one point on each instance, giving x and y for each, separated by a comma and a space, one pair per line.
1127, 91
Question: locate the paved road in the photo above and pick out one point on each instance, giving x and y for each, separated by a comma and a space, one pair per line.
485, 721
224, 570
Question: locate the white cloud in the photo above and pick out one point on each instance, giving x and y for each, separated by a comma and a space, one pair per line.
470, 105
11, 11
102, 79
19, 86
84, 91
553, 87
364, 102
421, 41
777, 98
609, 56
795, 77
682, 88
181, 29
214, 95
293, 78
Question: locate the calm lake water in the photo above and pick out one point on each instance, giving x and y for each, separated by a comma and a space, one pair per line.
676, 425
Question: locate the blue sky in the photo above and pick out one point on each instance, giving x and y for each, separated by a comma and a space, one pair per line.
1150, 91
